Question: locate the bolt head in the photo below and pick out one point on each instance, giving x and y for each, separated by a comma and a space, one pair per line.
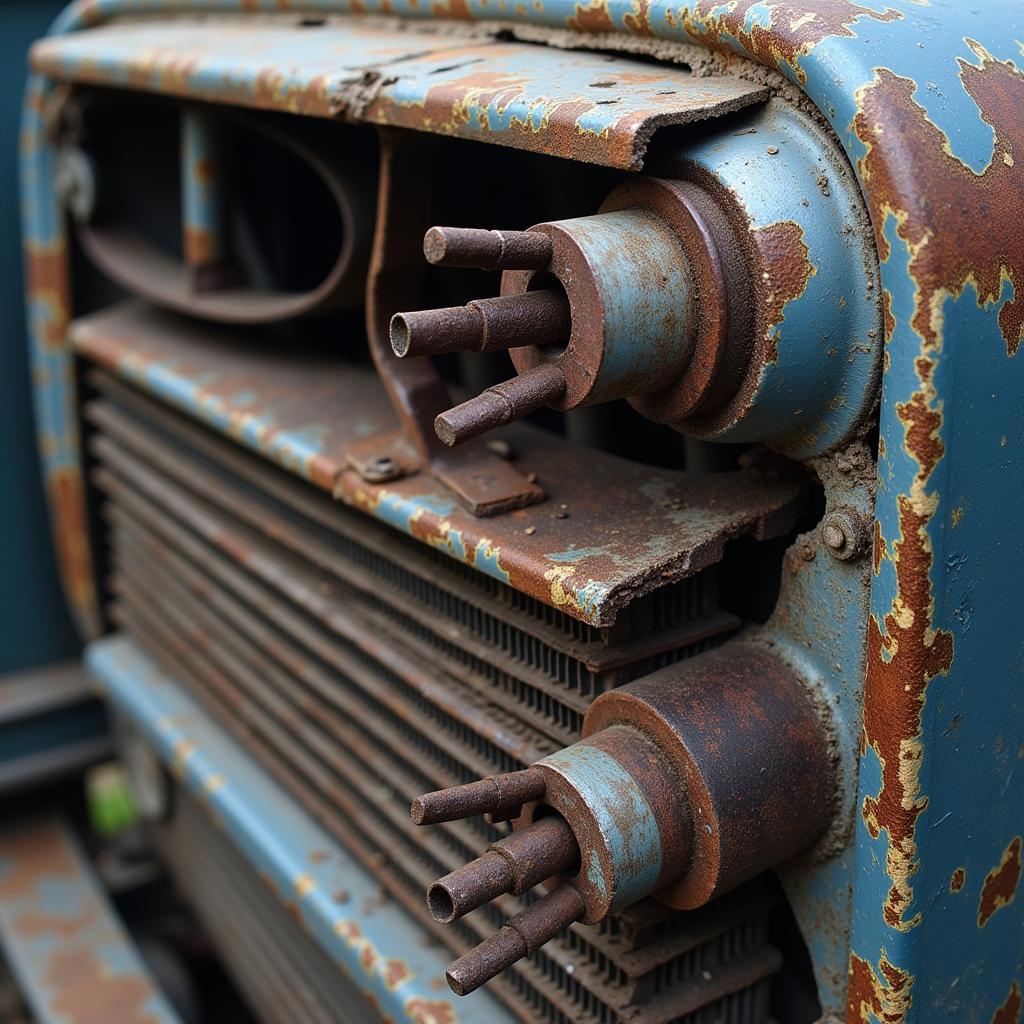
845, 533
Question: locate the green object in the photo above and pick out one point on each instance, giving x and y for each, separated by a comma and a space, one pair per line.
111, 804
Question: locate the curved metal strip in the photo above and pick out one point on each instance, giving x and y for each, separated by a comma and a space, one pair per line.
147, 271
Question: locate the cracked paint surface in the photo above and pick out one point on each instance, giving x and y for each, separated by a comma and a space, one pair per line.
930, 121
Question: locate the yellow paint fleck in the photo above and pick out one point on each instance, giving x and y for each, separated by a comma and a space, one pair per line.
214, 782
304, 885
183, 750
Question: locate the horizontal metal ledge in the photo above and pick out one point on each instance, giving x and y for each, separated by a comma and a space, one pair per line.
51, 725
611, 530
72, 957
394, 962
566, 103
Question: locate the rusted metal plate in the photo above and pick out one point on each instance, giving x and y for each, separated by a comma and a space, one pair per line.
610, 530
381, 949
72, 957
579, 105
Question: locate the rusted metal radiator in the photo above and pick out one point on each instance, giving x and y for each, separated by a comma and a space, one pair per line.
362, 669
282, 970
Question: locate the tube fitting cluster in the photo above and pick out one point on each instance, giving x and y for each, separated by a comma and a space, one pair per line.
684, 784
732, 295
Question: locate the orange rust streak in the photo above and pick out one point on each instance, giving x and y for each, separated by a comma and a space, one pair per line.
200, 246
871, 999
1009, 1012
1000, 885
71, 537
945, 263
794, 29
904, 658
783, 255
46, 271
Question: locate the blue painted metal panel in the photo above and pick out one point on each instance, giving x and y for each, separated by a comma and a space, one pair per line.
385, 953
504, 93
71, 955
34, 624
927, 105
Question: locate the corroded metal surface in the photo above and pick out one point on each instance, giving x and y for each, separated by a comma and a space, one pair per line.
73, 959
504, 93
610, 531
686, 783
930, 121
383, 951
484, 483
733, 294
299, 642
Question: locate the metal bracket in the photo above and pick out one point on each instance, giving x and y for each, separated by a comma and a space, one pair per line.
483, 482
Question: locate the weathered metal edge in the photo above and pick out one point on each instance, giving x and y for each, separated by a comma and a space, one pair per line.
69, 952
386, 954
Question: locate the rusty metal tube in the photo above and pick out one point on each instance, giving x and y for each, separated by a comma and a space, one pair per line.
481, 249
513, 864
501, 404
521, 936
489, 794
484, 325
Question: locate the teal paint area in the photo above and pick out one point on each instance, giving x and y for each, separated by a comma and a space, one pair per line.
35, 627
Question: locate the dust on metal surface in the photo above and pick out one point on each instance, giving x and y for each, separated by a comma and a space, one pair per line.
579, 105
72, 957
903, 88
383, 950
610, 531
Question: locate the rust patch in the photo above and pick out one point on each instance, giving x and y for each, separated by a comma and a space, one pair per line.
1000, 885
870, 998
71, 539
87, 992
46, 272
794, 28
956, 882
28, 856
1009, 1012
32, 925
396, 973
200, 245
430, 1011
944, 263
785, 270
903, 660
594, 17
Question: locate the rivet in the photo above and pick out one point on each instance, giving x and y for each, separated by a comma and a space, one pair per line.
845, 534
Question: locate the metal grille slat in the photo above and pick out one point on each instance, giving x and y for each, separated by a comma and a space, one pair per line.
356, 701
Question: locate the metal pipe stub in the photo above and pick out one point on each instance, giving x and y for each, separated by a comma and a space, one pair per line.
501, 404
522, 935
480, 249
484, 325
511, 865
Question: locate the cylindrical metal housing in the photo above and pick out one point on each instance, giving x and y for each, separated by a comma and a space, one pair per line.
745, 753
628, 282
